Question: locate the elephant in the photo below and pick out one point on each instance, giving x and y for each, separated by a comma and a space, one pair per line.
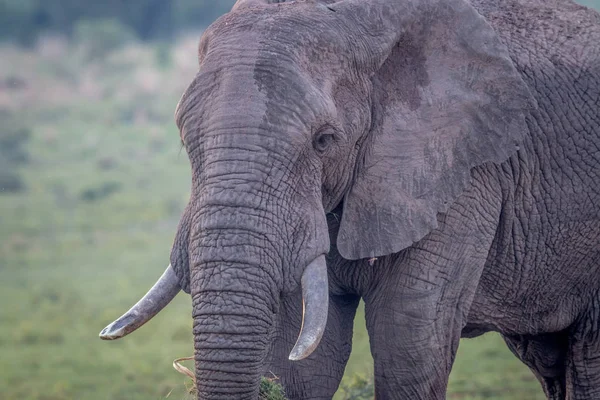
438, 159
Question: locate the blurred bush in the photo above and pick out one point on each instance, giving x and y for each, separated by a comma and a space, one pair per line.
13, 137
99, 37
24, 20
98, 193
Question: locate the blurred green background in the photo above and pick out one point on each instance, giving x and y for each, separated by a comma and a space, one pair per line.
92, 183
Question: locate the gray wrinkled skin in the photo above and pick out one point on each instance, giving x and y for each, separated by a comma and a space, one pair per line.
457, 142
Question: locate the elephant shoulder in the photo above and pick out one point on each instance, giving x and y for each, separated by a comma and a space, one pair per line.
555, 28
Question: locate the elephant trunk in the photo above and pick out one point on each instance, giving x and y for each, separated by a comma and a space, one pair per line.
234, 287
235, 294
251, 240
231, 332
232, 327
258, 219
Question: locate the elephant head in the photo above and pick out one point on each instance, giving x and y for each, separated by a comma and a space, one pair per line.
379, 107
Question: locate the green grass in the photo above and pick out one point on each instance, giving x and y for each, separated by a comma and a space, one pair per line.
105, 190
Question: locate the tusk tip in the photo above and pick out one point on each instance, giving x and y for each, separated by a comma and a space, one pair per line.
115, 330
110, 334
315, 300
299, 353
163, 291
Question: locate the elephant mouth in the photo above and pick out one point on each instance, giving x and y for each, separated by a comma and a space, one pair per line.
315, 301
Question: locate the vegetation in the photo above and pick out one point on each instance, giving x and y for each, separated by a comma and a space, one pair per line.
101, 181
13, 137
92, 229
271, 390
24, 20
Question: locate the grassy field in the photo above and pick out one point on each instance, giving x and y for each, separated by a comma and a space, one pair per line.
92, 230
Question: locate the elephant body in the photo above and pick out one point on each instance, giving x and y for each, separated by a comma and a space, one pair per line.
518, 252
453, 181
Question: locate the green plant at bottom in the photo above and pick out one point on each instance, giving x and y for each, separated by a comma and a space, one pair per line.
270, 390
358, 388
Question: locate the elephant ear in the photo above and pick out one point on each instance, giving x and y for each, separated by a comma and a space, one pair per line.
445, 99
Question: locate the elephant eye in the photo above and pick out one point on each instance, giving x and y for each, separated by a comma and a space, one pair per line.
322, 141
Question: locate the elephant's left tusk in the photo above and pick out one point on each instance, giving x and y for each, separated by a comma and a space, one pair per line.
315, 302
161, 294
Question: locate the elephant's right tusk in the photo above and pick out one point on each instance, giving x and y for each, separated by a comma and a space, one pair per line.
315, 302
161, 294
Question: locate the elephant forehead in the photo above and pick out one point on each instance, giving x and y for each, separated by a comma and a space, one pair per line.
286, 31
279, 93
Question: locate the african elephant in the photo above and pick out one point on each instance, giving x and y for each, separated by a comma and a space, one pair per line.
439, 159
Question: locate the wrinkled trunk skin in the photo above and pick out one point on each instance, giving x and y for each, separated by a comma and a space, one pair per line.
230, 341
236, 274
234, 300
